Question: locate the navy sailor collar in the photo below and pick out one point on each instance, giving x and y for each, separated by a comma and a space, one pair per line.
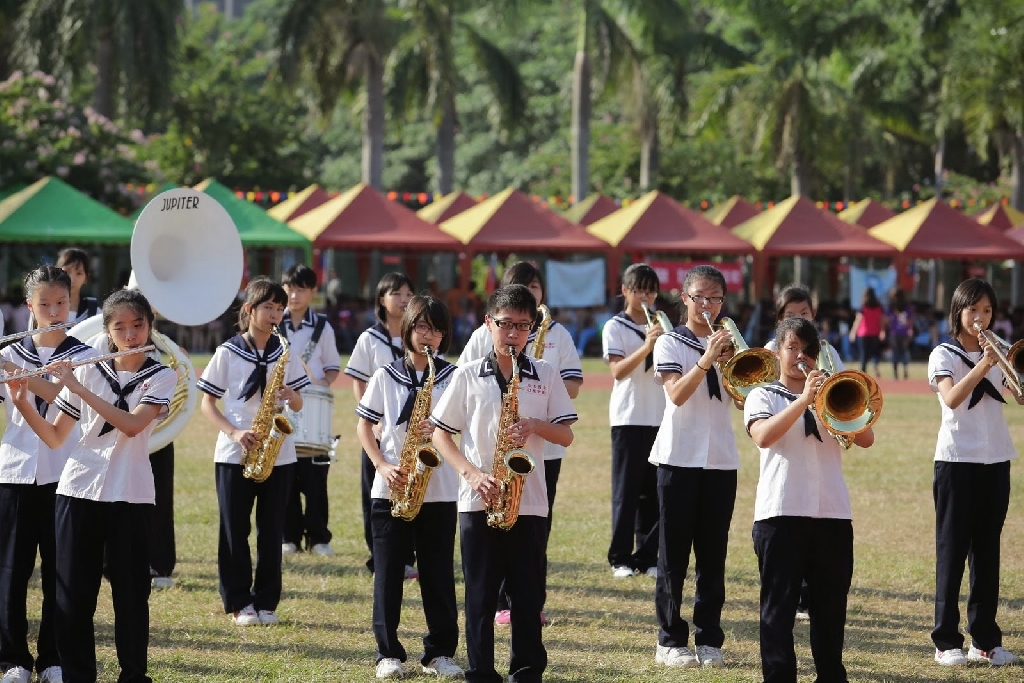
149, 368
308, 320
401, 371
239, 347
624, 318
527, 369
68, 348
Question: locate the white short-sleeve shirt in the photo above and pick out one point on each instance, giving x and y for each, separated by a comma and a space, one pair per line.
699, 432
324, 356
837, 362
801, 476
471, 406
978, 434
636, 399
24, 458
374, 349
559, 351
225, 378
113, 466
386, 395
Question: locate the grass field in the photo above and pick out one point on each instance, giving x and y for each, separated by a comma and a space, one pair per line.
603, 629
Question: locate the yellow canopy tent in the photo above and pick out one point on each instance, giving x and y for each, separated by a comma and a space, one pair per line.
1001, 217
867, 213
731, 212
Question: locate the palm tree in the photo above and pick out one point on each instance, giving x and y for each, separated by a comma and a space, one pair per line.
424, 75
342, 46
131, 44
9, 11
788, 95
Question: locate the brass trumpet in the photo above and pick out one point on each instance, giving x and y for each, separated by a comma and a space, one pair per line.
656, 318
1011, 362
847, 402
748, 368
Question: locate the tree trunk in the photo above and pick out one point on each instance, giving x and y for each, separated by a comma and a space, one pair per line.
103, 99
373, 124
649, 153
798, 182
581, 126
940, 162
1017, 171
446, 148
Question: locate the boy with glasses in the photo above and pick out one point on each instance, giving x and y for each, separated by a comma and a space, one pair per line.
634, 412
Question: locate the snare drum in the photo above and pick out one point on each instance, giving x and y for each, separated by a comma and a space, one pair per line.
313, 423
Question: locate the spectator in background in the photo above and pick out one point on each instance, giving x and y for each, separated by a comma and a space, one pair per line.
900, 321
15, 312
1002, 325
868, 329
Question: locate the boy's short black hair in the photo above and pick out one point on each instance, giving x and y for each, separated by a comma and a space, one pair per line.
792, 294
641, 276
300, 275
514, 299
804, 330
433, 311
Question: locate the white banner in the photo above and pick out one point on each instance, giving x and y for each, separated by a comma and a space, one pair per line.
576, 284
882, 281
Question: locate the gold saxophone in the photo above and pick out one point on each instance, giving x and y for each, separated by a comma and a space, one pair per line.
418, 458
511, 465
537, 350
270, 426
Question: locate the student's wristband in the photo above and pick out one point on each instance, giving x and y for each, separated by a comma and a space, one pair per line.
702, 367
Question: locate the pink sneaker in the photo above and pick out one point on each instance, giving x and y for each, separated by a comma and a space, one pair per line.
544, 619
503, 617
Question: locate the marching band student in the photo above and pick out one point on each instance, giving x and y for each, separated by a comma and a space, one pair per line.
238, 373
29, 471
972, 480
389, 402
472, 406
802, 515
75, 263
375, 348
696, 455
559, 351
105, 493
635, 409
312, 338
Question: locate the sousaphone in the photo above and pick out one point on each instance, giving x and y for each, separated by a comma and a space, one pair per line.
187, 259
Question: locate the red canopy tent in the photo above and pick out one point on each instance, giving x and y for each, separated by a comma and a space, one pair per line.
732, 212
300, 203
1001, 217
443, 208
934, 229
590, 210
867, 213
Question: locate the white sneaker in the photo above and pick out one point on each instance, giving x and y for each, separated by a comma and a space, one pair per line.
997, 656
675, 656
16, 674
161, 583
623, 572
323, 549
390, 668
954, 657
803, 615
268, 618
444, 667
246, 616
652, 572
289, 548
411, 573
52, 674
709, 656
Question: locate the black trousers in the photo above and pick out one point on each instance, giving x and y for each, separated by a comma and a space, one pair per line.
790, 550
970, 507
86, 531
26, 524
870, 348
634, 498
367, 473
309, 526
162, 550
434, 530
552, 470
695, 508
517, 557
236, 496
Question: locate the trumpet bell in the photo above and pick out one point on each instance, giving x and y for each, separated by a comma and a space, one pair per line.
747, 370
1016, 358
187, 256
848, 403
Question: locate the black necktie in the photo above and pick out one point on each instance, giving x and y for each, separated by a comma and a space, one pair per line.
257, 381
410, 400
649, 359
122, 394
499, 378
714, 389
984, 387
810, 424
41, 405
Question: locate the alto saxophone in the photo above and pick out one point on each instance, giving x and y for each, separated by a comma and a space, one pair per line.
511, 465
537, 350
418, 458
270, 426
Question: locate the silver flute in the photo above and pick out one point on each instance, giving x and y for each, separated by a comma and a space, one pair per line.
89, 361
28, 333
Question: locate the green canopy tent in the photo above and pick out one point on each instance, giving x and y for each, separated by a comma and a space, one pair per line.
163, 188
255, 226
6, 192
50, 210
